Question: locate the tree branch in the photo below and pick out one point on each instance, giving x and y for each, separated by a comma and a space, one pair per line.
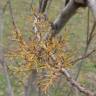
76, 85
42, 6
84, 56
68, 11
72, 81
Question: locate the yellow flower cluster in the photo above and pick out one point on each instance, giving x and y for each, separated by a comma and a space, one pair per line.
45, 56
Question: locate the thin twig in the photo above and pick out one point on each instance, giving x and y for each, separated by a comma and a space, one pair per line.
83, 57
12, 17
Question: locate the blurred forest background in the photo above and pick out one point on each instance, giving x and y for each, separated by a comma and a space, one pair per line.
76, 30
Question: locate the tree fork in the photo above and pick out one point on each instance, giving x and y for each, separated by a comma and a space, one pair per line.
69, 10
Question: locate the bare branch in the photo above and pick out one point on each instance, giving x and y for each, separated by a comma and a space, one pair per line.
69, 11
84, 56
42, 5
12, 16
64, 16
77, 85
